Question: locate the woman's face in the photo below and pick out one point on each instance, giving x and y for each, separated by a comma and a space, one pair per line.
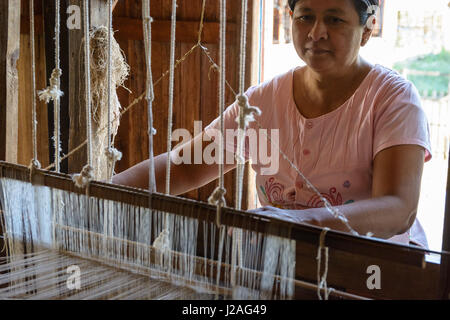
327, 34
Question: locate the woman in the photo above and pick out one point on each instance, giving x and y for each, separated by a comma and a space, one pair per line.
355, 130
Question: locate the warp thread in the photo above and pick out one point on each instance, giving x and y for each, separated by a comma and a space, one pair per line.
217, 198
247, 110
52, 92
83, 178
322, 280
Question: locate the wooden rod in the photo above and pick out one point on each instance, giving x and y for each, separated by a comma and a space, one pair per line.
413, 256
201, 265
131, 29
445, 260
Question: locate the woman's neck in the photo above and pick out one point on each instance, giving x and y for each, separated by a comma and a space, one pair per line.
338, 81
316, 94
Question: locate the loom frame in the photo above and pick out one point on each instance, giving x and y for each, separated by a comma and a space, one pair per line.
407, 274
430, 279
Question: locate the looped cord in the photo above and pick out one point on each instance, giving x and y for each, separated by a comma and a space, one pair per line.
322, 280
113, 154
217, 198
34, 164
52, 92
247, 111
83, 179
152, 132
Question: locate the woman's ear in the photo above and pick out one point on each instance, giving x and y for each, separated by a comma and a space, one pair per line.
368, 28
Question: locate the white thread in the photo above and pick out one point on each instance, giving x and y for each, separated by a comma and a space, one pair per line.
87, 82
217, 198
53, 92
111, 153
83, 179
322, 280
147, 20
33, 86
332, 210
171, 85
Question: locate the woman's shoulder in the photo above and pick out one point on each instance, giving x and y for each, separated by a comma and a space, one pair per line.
386, 79
280, 81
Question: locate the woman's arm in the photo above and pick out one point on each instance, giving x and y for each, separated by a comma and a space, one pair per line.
183, 177
397, 174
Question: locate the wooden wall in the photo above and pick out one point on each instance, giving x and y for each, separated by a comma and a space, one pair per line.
196, 93
196, 89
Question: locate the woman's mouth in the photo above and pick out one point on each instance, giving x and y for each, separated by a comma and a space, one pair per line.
317, 51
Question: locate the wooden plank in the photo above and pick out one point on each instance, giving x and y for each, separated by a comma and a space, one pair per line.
131, 29
25, 134
77, 109
404, 273
9, 91
445, 262
49, 36
187, 31
347, 271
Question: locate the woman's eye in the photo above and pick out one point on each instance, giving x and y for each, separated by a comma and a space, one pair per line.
305, 18
335, 20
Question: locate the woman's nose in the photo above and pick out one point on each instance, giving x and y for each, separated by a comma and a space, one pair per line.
318, 31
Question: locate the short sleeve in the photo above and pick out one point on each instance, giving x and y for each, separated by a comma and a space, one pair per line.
230, 116
400, 120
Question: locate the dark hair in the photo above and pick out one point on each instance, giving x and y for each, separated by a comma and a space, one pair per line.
361, 7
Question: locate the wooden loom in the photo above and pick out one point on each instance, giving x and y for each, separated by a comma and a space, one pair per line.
406, 273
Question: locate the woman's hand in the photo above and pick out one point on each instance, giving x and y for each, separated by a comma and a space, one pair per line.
296, 216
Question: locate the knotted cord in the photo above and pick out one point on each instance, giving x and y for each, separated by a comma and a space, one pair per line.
171, 87
150, 95
83, 179
34, 161
53, 91
322, 279
112, 154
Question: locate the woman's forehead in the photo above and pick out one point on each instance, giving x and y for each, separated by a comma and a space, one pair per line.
337, 6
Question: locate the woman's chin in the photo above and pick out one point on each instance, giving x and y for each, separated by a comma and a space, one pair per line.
322, 67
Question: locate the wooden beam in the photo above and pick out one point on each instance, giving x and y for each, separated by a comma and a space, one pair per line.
9, 82
77, 109
131, 29
445, 261
49, 37
186, 31
9, 91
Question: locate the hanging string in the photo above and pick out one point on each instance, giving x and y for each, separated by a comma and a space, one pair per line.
171, 86
245, 115
53, 91
34, 162
112, 154
322, 279
144, 94
218, 196
150, 95
83, 179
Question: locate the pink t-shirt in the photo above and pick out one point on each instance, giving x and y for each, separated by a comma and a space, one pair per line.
335, 151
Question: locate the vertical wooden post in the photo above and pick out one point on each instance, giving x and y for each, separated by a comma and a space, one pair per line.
49, 36
9, 78
77, 109
9, 85
445, 260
